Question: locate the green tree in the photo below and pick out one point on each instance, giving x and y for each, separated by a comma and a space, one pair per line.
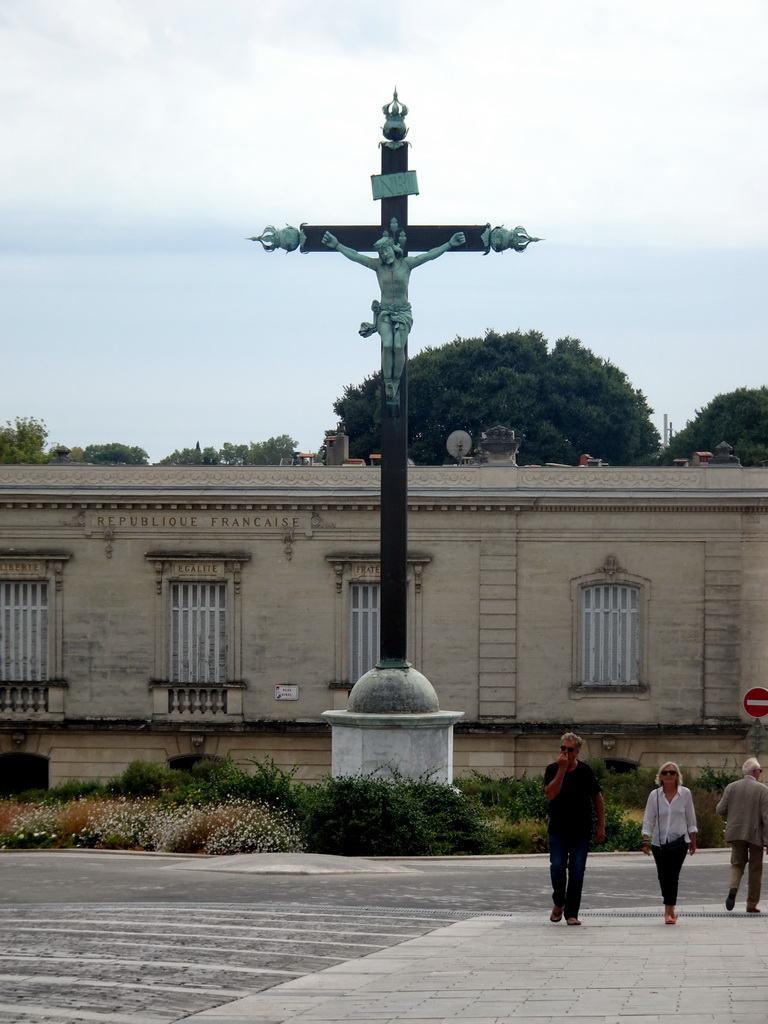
271, 451
563, 402
257, 453
234, 454
23, 442
196, 456
738, 417
115, 454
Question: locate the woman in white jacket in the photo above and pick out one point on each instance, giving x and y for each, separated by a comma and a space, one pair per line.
669, 832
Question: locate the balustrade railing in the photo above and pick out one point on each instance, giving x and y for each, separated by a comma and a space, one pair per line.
193, 701
18, 699
24, 698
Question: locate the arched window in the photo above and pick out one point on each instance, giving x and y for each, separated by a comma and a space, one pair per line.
610, 635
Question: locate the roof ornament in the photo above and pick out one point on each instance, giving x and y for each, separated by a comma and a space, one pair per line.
394, 127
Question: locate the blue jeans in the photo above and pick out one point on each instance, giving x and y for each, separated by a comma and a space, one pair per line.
567, 864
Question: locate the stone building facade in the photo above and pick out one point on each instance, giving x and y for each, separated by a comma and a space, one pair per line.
166, 613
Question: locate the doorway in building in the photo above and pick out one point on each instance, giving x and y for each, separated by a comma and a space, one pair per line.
185, 762
20, 772
620, 765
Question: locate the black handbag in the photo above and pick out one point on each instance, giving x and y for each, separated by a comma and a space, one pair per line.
675, 844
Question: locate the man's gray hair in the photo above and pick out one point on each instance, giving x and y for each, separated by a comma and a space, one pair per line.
750, 765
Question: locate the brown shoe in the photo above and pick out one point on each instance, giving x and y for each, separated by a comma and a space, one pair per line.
754, 910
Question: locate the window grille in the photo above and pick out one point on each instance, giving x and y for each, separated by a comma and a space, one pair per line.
610, 635
23, 632
198, 643
364, 628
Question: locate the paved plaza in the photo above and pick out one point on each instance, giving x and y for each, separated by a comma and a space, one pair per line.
140, 958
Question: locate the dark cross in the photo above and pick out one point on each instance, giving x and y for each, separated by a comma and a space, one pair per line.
392, 187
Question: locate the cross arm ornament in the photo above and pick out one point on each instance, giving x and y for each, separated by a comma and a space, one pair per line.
420, 237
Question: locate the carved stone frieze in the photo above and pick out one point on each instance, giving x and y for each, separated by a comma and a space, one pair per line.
261, 487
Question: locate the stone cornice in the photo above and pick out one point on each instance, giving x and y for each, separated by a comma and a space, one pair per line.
722, 727
446, 488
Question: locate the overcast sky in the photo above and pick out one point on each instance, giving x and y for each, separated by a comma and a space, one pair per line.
144, 140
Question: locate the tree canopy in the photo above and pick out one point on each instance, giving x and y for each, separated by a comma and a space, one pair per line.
114, 454
23, 441
562, 402
738, 417
257, 453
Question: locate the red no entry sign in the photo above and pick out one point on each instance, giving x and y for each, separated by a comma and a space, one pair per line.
756, 702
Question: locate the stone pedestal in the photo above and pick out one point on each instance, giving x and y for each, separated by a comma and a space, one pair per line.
415, 745
393, 723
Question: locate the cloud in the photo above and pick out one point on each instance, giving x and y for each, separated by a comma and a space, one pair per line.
144, 140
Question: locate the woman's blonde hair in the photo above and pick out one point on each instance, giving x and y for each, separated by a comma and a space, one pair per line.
669, 764
571, 737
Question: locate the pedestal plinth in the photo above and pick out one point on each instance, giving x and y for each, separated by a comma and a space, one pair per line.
415, 745
393, 723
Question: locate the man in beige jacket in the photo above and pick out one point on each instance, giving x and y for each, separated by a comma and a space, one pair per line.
745, 805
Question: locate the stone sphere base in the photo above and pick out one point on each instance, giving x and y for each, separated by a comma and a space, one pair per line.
393, 690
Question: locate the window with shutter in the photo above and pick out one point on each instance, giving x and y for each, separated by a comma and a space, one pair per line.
364, 628
23, 631
198, 633
610, 621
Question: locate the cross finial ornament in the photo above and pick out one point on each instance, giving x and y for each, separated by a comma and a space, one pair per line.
394, 129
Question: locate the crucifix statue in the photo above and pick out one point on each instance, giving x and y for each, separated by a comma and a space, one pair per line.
393, 241
392, 316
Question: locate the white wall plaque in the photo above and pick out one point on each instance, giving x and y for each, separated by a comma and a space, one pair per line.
286, 692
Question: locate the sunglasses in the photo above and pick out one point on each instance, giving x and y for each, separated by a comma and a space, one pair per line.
669, 771
569, 749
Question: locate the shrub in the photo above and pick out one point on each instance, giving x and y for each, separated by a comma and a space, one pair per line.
600, 768
716, 779
266, 783
629, 789
32, 827
621, 832
453, 821
367, 815
486, 790
145, 824
147, 778
522, 836
711, 825
529, 800
75, 789
240, 827
516, 796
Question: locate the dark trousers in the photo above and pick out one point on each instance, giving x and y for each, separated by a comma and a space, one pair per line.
669, 864
743, 853
567, 864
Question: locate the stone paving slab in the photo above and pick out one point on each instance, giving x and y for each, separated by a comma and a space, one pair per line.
297, 864
710, 968
158, 963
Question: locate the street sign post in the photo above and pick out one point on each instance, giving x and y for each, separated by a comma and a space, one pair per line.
756, 702
756, 706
